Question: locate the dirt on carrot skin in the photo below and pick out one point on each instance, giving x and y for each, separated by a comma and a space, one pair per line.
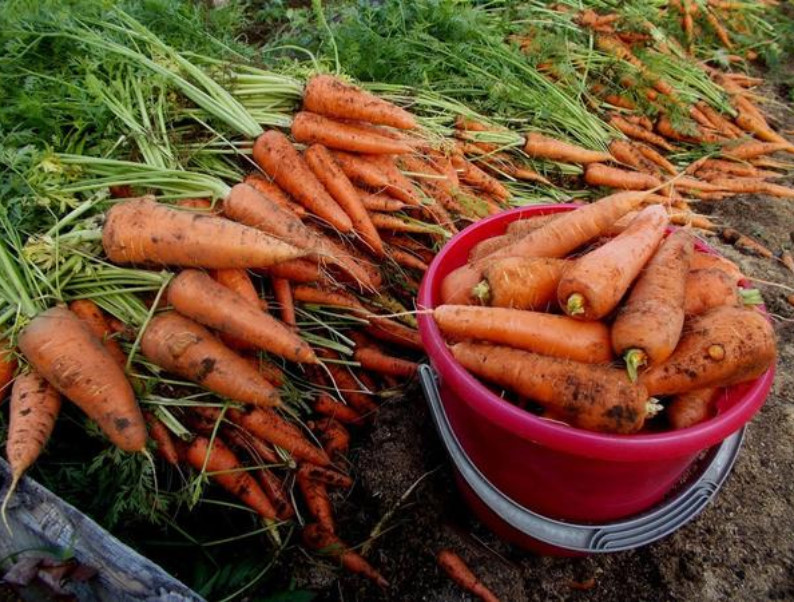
741, 547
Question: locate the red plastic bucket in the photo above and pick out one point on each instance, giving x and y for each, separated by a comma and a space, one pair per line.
550, 468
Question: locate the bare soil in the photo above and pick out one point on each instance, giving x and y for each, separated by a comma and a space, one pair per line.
740, 548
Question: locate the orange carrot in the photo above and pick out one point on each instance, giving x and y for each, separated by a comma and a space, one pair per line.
389, 331
195, 295
588, 396
656, 158
320, 161
143, 231
240, 282
335, 438
595, 283
317, 296
753, 186
709, 288
225, 469
316, 497
327, 95
723, 347
378, 201
273, 193
625, 153
269, 426
94, 319
722, 124
598, 174
184, 347
521, 283
649, 324
548, 334
326, 476
491, 245
311, 128
161, 436
527, 225
393, 223
745, 243
639, 133
328, 406
243, 441
373, 359
702, 261
406, 260
276, 493
476, 177
347, 385
297, 270
377, 172
283, 293
753, 149
274, 153
454, 566
434, 184
8, 366
33, 410
65, 353
315, 537
542, 147
689, 409
555, 239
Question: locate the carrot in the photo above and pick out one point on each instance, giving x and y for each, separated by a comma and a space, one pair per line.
639, 133
225, 469
474, 176
556, 336
320, 161
390, 331
520, 283
297, 270
555, 239
650, 322
689, 409
64, 352
143, 231
275, 491
316, 497
33, 410
328, 406
707, 289
335, 438
243, 441
454, 566
435, 185
729, 167
491, 245
701, 261
787, 260
722, 124
588, 396
526, 225
283, 293
94, 319
753, 149
598, 174
246, 206
274, 153
317, 296
406, 260
161, 436
195, 295
753, 186
374, 360
656, 158
311, 128
745, 243
723, 347
393, 223
377, 172
326, 476
542, 147
184, 347
8, 366
269, 426
347, 385
624, 152
240, 282
327, 95
595, 283
315, 537
273, 193
378, 201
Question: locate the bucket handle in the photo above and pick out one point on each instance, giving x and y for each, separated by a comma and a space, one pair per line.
589, 538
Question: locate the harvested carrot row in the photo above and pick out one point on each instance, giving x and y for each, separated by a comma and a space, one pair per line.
195, 295
547, 334
722, 347
282, 290
648, 326
184, 347
161, 436
589, 396
225, 469
315, 537
593, 286
65, 353
327, 95
269, 426
142, 231
311, 128
94, 319
454, 566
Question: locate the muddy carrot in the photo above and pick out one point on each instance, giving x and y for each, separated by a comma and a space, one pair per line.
311, 128
347, 386
657, 158
406, 260
94, 319
542, 147
375, 360
474, 176
689, 409
240, 282
328, 406
316, 497
282, 290
335, 438
276, 493
722, 347
380, 202
454, 566
547, 334
638, 133
243, 441
589, 396
161, 436
327, 476
315, 537
521, 283
753, 149
648, 326
711, 287
595, 283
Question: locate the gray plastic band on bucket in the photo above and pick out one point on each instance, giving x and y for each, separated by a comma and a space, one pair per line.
590, 538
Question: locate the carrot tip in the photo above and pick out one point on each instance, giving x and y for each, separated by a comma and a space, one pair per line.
634, 359
482, 291
575, 305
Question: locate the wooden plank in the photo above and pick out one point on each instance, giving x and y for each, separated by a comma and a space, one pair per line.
41, 520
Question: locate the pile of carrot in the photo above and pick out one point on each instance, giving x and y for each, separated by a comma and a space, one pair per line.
578, 293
